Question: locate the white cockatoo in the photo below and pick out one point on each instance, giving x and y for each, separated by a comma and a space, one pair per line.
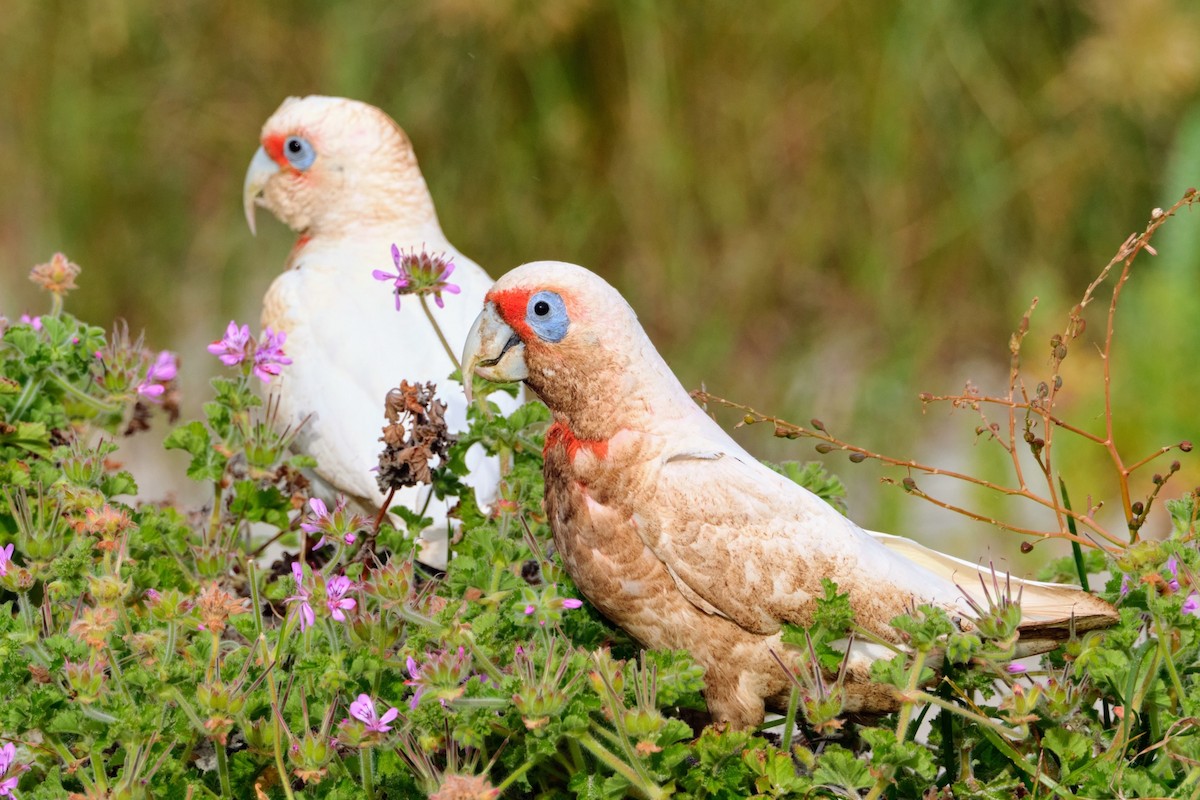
343, 175
682, 538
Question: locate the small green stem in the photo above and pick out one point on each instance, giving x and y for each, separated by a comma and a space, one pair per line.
636, 782
277, 723
1076, 550
364, 768
515, 775
441, 337
81, 395
906, 709
789, 721
223, 768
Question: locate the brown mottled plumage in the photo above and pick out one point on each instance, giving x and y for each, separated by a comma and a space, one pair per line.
683, 539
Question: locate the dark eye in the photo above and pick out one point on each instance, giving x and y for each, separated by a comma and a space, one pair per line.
299, 152
541, 308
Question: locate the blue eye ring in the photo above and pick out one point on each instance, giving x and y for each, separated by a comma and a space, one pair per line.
546, 314
299, 153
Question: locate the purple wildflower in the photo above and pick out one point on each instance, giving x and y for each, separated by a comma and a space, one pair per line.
1191, 605
234, 346
414, 672
419, 273
1016, 669
320, 513
529, 609
571, 602
269, 357
363, 710
338, 524
8, 754
307, 616
5, 558
335, 597
33, 322
161, 372
1125, 585
1173, 568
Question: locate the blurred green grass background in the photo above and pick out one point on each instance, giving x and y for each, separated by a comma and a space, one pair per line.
819, 208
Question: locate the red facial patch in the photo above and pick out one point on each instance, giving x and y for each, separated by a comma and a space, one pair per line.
559, 435
512, 304
273, 144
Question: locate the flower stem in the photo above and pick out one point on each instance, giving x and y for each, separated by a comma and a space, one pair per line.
364, 768
441, 337
789, 721
223, 768
641, 786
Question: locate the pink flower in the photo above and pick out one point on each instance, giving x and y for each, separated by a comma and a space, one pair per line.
269, 358
33, 322
363, 710
8, 755
162, 371
338, 524
307, 616
419, 273
335, 597
1016, 669
571, 602
234, 346
5, 558
265, 357
1190, 606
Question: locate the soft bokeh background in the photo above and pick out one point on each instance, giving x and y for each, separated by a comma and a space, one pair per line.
819, 208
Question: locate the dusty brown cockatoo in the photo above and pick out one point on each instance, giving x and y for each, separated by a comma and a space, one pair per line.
679, 536
344, 176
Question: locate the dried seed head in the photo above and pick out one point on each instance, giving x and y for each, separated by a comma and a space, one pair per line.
1156, 213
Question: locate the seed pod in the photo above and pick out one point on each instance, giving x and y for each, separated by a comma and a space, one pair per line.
1060, 352
1026, 547
818, 425
824, 448
909, 485
1185, 446
1137, 508
858, 458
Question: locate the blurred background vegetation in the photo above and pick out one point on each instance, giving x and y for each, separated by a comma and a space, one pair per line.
819, 208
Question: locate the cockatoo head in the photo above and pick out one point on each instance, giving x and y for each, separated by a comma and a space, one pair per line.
328, 163
571, 338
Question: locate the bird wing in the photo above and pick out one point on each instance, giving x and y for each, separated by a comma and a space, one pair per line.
754, 546
1042, 604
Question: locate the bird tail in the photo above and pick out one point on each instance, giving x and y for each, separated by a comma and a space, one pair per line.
1050, 612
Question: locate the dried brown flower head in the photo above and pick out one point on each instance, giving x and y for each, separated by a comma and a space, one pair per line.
57, 276
93, 626
416, 433
215, 606
465, 787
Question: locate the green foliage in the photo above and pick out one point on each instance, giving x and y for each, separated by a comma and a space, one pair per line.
140, 643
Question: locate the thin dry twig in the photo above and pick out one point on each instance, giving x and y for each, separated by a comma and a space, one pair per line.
1031, 416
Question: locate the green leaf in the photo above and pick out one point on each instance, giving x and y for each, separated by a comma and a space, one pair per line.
839, 767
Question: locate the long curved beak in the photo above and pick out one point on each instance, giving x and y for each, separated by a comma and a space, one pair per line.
260, 171
493, 351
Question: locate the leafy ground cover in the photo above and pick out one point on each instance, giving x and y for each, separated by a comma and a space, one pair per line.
149, 650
